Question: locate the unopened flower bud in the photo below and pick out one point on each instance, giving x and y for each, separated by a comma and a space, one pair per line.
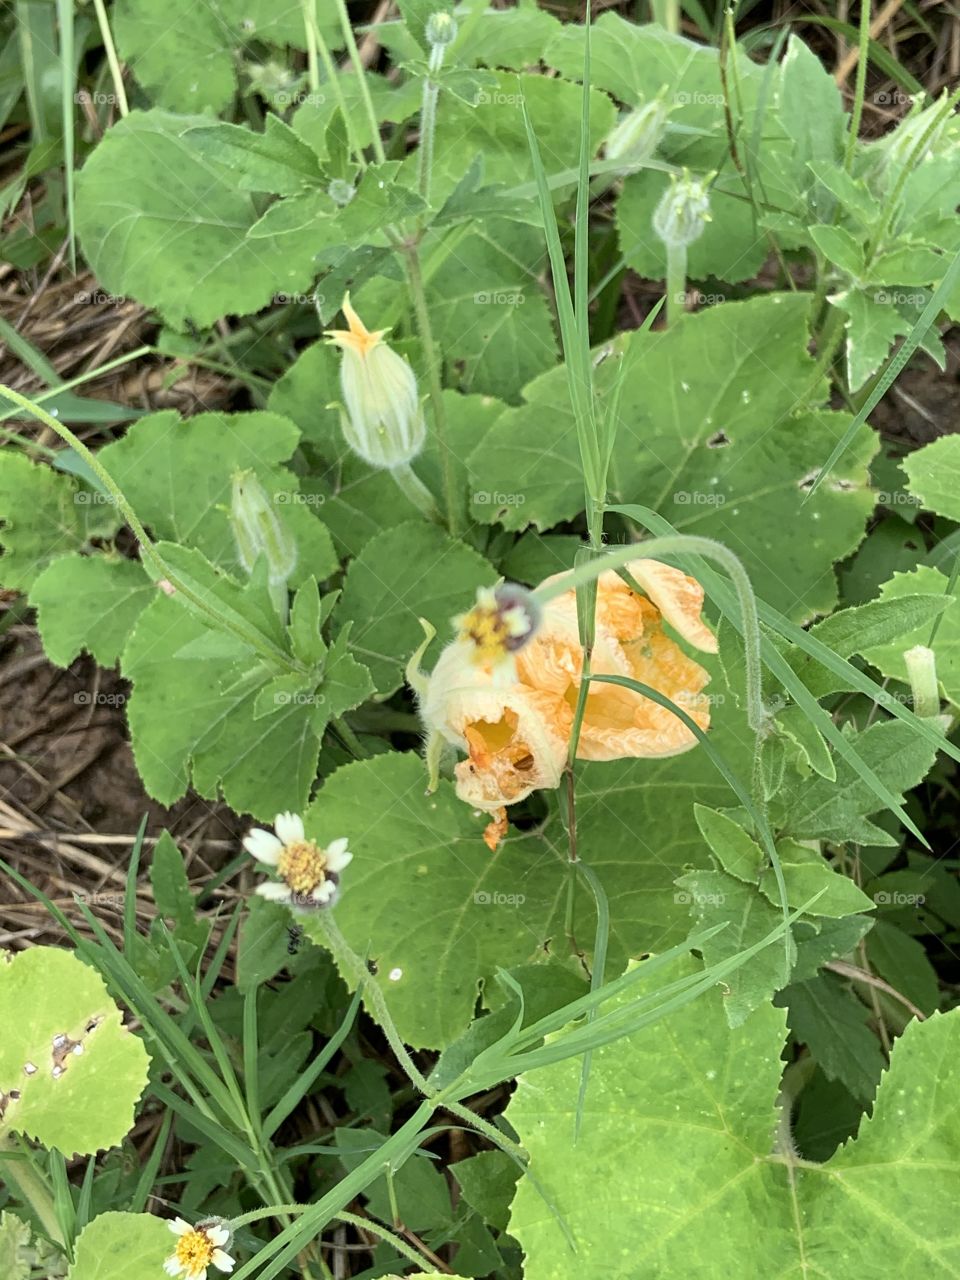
340, 191
921, 664
441, 29
381, 414
636, 136
683, 212
258, 530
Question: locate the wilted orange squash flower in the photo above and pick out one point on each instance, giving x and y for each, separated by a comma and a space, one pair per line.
629, 641
513, 717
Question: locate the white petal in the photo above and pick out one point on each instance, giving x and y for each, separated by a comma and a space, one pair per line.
289, 827
338, 855
218, 1235
179, 1227
201, 1275
172, 1266
223, 1261
264, 846
273, 891
324, 892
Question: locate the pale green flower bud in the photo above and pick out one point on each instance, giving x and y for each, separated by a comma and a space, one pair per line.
921, 664
636, 136
258, 530
340, 191
683, 212
381, 414
441, 29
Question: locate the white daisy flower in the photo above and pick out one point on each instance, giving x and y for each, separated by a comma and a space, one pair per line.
308, 875
198, 1248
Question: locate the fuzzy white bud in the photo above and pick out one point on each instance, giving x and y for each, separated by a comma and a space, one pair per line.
683, 212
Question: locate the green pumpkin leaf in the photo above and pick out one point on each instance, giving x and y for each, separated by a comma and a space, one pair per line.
934, 474
710, 440
946, 645
186, 55
410, 572
45, 514
70, 1072
173, 235
89, 603
635, 826
697, 1101
192, 718
839, 811
14, 1248
118, 1246
177, 476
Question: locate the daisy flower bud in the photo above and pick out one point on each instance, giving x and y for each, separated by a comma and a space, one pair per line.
258, 530
441, 29
381, 414
198, 1248
683, 212
308, 875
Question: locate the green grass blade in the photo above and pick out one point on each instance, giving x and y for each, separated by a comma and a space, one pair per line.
68, 90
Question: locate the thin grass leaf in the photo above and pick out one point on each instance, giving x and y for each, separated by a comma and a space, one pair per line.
251, 1056
306, 1080
68, 89
148, 1174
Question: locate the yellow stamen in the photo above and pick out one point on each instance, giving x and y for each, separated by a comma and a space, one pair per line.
489, 632
358, 337
195, 1252
303, 866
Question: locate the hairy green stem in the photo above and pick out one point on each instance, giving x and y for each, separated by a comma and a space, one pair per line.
676, 282
428, 118
432, 356
859, 86
362, 978
413, 488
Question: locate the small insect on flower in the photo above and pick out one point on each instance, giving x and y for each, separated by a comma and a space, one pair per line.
198, 1248
308, 874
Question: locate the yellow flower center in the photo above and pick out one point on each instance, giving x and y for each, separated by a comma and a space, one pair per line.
303, 866
195, 1252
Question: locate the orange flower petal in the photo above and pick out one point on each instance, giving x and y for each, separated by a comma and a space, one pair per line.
678, 597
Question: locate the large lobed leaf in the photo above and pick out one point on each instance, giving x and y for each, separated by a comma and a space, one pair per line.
710, 434
687, 1114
